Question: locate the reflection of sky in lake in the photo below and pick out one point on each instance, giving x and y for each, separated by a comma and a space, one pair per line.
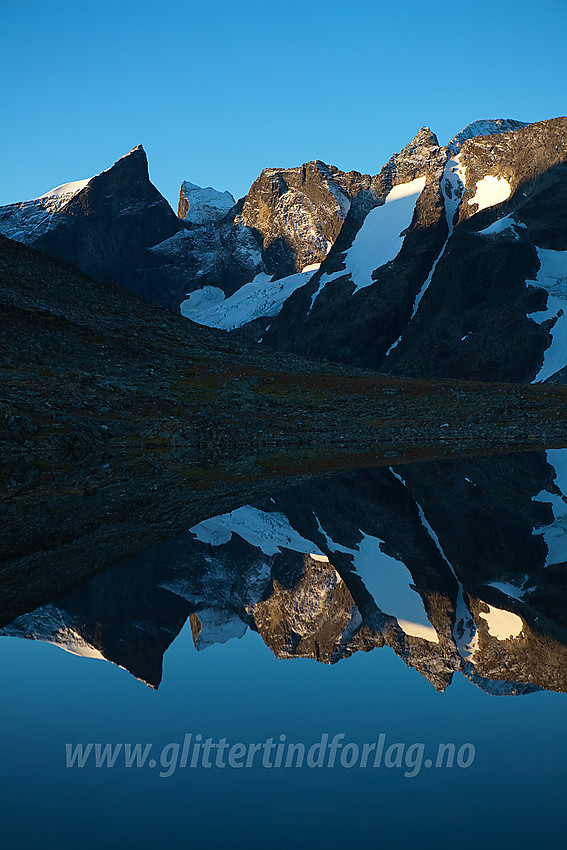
457, 567
512, 795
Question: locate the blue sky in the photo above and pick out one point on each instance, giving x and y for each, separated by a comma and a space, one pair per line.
217, 90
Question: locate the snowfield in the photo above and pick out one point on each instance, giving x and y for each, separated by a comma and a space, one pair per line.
552, 276
489, 192
261, 298
380, 238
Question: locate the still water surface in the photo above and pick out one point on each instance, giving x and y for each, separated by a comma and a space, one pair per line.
435, 593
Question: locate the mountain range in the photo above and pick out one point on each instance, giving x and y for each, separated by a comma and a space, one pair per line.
449, 263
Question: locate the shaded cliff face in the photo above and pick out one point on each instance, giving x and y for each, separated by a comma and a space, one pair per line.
458, 566
473, 287
118, 227
485, 310
103, 225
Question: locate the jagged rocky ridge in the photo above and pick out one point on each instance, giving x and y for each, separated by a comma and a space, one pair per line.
458, 566
118, 227
466, 292
448, 263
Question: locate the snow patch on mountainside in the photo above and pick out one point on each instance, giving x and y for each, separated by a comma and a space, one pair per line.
507, 222
490, 191
452, 186
25, 221
552, 276
65, 191
205, 205
342, 200
261, 298
381, 236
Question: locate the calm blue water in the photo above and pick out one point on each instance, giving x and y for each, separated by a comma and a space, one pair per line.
511, 795
462, 524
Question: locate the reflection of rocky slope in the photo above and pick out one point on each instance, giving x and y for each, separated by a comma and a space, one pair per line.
458, 566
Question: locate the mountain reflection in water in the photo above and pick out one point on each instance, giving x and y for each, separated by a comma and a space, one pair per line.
458, 566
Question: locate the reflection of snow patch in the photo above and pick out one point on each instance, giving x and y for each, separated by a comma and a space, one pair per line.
267, 531
555, 535
509, 589
465, 633
501, 225
502, 624
390, 584
218, 625
552, 276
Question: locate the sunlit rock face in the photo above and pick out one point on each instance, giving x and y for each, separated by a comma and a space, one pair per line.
299, 212
459, 566
316, 617
475, 287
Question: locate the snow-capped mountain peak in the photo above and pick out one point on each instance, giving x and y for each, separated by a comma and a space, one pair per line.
203, 205
484, 127
66, 191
